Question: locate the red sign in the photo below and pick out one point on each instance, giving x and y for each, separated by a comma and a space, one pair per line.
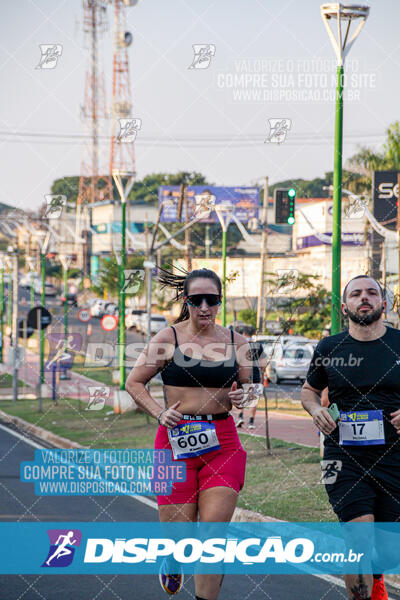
109, 322
84, 315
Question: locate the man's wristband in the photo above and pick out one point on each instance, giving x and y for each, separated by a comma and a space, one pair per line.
159, 416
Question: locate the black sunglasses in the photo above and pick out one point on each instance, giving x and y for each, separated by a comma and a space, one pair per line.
197, 299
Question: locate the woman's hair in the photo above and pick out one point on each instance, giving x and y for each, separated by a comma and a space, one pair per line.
181, 285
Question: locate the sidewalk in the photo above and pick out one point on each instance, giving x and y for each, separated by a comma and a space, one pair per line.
290, 428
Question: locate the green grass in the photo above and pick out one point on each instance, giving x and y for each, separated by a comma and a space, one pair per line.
102, 375
282, 484
89, 428
6, 381
285, 483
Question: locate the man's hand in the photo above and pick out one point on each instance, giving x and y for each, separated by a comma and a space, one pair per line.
396, 420
236, 396
323, 420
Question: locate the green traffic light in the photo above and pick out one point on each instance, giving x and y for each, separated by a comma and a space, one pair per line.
290, 220
291, 193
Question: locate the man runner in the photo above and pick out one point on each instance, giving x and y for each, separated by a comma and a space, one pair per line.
361, 368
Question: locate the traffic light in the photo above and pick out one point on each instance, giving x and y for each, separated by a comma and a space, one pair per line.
285, 206
292, 205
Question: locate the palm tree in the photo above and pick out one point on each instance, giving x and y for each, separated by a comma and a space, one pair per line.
367, 160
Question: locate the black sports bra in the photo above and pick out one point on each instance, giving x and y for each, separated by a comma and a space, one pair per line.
187, 371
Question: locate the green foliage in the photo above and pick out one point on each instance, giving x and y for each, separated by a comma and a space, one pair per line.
366, 160
108, 274
248, 316
53, 269
305, 308
69, 186
146, 190
357, 177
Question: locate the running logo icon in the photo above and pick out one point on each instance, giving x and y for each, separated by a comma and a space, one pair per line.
98, 395
63, 543
128, 129
55, 204
133, 279
286, 280
205, 203
356, 209
330, 470
50, 55
278, 130
203, 54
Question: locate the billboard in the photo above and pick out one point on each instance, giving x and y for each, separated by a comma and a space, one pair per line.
385, 194
245, 201
385, 191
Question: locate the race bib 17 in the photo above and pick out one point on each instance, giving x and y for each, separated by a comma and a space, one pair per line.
361, 428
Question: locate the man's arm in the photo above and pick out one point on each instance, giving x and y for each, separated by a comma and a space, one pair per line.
311, 401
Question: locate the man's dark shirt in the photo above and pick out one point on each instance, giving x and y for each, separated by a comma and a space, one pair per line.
257, 352
360, 376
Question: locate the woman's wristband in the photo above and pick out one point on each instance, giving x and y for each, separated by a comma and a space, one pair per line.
159, 416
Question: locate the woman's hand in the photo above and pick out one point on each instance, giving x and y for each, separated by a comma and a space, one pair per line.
170, 417
236, 396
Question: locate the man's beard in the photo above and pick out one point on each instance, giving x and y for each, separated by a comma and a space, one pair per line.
367, 319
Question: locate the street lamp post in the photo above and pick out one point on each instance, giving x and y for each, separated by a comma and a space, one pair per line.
65, 263
9, 294
343, 14
14, 336
2, 308
124, 193
43, 242
30, 262
224, 213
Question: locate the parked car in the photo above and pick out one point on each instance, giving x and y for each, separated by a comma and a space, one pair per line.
241, 327
97, 309
111, 308
70, 299
289, 362
132, 318
293, 339
157, 322
26, 280
49, 288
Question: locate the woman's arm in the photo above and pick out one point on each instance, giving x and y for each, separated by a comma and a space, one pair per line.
153, 359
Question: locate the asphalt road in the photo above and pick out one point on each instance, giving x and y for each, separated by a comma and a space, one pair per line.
18, 503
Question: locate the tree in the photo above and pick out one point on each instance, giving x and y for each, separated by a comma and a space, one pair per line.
366, 160
108, 274
304, 304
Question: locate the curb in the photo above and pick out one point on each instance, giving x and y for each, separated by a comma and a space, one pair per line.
39, 432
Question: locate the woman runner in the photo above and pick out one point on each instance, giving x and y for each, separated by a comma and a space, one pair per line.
202, 366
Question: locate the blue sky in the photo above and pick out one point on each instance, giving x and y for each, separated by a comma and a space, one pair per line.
277, 46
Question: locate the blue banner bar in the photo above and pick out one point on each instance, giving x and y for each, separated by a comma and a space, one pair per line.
251, 548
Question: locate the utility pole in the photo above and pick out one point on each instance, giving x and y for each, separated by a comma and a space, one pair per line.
398, 241
149, 266
384, 268
188, 250
123, 191
2, 308
261, 304
207, 240
15, 323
